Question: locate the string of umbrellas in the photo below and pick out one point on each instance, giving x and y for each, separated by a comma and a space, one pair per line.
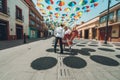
66, 11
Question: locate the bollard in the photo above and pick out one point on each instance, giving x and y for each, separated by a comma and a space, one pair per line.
24, 38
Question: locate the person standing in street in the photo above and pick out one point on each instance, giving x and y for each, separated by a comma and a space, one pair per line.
59, 34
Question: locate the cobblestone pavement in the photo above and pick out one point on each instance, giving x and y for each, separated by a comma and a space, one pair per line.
88, 60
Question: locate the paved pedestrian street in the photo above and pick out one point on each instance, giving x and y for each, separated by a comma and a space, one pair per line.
88, 60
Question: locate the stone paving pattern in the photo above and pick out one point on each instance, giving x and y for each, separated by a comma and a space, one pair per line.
88, 60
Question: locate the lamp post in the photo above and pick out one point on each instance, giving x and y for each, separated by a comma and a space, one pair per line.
106, 29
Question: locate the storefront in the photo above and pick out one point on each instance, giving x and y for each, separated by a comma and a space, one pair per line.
102, 33
33, 32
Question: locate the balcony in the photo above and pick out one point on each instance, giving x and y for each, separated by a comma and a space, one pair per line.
5, 12
20, 19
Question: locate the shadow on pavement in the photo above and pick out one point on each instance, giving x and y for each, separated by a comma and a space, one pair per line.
106, 49
85, 51
72, 52
92, 45
94, 42
80, 45
118, 56
44, 63
107, 45
118, 48
74, 62
104, 60
51, 50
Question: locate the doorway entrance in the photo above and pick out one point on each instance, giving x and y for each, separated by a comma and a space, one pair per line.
19, 31
87, 34
3, 30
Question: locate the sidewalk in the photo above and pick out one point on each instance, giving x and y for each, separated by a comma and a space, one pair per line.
89, 60
14, 43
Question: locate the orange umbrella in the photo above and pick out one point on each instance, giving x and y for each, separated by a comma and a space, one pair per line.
76, 17
50, 8
79, 13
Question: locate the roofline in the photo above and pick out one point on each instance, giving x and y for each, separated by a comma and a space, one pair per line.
110, 7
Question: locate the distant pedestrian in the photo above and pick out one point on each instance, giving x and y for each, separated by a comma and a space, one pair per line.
59, 34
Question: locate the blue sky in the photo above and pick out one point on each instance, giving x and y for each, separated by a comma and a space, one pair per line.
85, 16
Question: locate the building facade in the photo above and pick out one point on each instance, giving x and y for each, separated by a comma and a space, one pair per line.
88, 30
35, 21
13, 19
96, 28
113, 24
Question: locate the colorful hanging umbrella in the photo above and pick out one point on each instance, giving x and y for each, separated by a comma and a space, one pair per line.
50, 13
57, 14
67, 9
72, 15
40, 5
95, 4
87, 6
64, 14
92, 1
84, 8
79, 13
50, 8
83, 2
61, 3
58, 9
87, 10
76, 17
76, 9
38, 1
42, 10
72, 3
49, 1
44, 13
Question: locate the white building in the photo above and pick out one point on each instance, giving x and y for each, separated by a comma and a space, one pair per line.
14, 19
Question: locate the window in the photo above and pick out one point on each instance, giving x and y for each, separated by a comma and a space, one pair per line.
32, 22
3, 6
103, 19
37, 19
18, 13
38, 25
111, 16
31, 13
118, 15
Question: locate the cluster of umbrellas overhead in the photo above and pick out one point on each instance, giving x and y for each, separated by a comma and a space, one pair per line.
65, 10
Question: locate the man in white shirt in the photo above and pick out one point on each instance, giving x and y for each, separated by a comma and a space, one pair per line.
59, 34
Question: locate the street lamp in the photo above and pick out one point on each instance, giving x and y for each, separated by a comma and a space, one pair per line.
106, 30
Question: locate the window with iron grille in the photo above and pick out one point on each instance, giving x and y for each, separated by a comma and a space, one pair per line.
18, 13
3, 6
